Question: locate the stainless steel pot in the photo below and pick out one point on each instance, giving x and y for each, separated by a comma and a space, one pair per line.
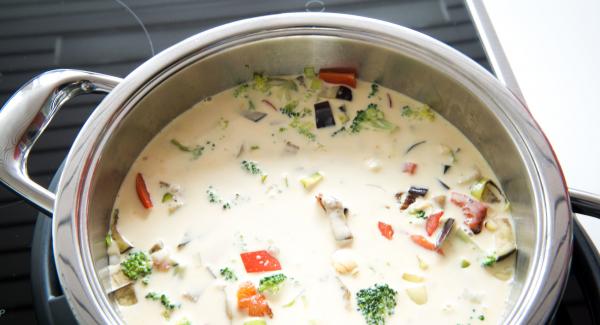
138, 106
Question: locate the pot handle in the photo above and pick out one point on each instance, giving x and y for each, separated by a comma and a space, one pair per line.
25, 116
585, 202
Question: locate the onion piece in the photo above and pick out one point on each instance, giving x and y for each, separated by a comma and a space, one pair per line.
123, 244
125, 296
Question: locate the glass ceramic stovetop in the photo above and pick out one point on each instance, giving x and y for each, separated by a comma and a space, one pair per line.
114, 37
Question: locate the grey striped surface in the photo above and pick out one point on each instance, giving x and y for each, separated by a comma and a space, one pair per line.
102, 36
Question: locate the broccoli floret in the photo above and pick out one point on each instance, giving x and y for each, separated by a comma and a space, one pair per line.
290, 109
271, 283
421, 113
261, 83
374, 90
251, 167
228, 274
165, 301
137, 265
376, 302
489, 260
373, 117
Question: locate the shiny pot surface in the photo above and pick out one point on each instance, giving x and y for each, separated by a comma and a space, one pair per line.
140, 105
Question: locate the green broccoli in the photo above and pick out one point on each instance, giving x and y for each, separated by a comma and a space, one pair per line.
165, 301
251, 167
271, 283
228, 274
373, 117
376, 302
137, 265
489, 260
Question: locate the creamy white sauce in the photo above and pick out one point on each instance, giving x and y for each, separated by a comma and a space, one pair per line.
363, 171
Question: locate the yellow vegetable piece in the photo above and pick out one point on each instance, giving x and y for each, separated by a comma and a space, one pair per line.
412, 278
417, 294
312, 180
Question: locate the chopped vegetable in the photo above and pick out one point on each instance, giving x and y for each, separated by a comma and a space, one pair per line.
444, 185
268, 103
165, 302
195, 151
123, 244
465, 264
446, 168
243, 88
291, 147
108, 239
223, 123
423, 242
374, 90
344, 93
422, 265
344, 76
309, 72
323, 115
487, 191
344, 261
489, 260
125, 295
417, 294
414, 145
253, 116
412, 278
473, 210
310, 181
418, 191
260, 261
289, 109
433, 221
167, 197
142, 191
421, 113
271, 283
303, 128
251, 167
249, 298
446, 229
256, 322
418, 214
371, 117
409, 168
254, 147
137, 265
228, 274
386, 230
260, 82
375, 303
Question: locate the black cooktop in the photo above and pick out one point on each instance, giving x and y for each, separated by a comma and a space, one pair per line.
114, 37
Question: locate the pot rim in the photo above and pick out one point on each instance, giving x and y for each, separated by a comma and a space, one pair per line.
549, 263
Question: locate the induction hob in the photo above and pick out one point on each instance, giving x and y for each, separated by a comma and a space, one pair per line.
114, 37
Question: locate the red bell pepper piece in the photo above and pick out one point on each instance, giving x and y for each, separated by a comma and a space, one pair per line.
474, 211
409, 168
344, 76
386, 230
423, 242
433, 221
259, 261
142, 191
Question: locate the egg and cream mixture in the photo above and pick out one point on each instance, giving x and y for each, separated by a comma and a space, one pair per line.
310, 199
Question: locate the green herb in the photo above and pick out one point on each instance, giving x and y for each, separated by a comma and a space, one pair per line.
167, 197
489, 260
108, 239
184, 321
251, 106
165, 301
251, 167
303, 128
263, 178
465, 264
290, 109
254, 147
260, 82
136, 265
195, 151
375, 303
240, 90
421, 113
374, 90
282, 129
481, 317
223, 123
146, 280
228, 274
213, 197
419, 214
342, 129
271, 283
373, 117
